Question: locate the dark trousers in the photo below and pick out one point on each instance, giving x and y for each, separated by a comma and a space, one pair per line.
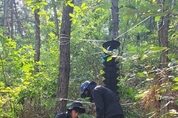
117, 116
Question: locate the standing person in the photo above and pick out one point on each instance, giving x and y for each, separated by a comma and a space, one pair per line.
106, 101
74, 110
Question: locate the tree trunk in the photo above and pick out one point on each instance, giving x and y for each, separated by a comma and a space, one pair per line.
163, 39
115, 21
37, 39
64, 69
114, 32
37, 100
12, 19
163, 42
5, 8
56, 20
19, 23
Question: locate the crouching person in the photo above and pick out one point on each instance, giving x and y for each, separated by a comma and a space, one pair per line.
74, 110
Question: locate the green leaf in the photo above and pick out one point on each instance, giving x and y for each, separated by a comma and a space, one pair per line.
29, 2
109, 58
77, 8
140, 74
176, 79
175, 88
140, 96
83, 6
70, 4
2, 84
73, 20
44, 3
71, 15
157, 48
104, 50
49, 23
157, 18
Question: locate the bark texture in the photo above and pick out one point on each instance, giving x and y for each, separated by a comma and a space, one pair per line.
163, 25
115, 21
37, 39
64, 68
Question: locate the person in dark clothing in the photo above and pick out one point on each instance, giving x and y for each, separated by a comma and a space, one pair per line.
106, 101
74, 110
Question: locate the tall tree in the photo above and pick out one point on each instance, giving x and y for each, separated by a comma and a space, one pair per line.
20, 28
64, 69
8, 19
37, 38
163, 36
115, 21
5, 8
12, 19
163, 42
56, 19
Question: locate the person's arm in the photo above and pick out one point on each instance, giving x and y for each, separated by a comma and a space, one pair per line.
99, 113
61, 115
99, 103
57, 116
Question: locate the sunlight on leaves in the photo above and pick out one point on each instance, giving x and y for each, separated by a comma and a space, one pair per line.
176, 79
26, 83
101, 72
2, 101
51, 34
157, 48
141, 74
71, 15
84, 6
2, 84
104, 50
157, 18
109, 58
139, 96
49, 23
77, 8
70, 4
175, 87
144, 56
6, 90
11, 43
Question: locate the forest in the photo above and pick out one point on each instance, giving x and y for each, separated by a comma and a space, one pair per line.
48, 48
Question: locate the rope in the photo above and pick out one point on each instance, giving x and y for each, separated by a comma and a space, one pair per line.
132, 27
65, 99
64, 36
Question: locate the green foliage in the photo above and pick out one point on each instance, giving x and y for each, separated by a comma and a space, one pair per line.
83, 53
138, 58
16, 69
36, 4
91, 22
175, 87
19, 84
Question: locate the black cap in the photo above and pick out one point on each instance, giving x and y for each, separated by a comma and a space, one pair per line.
77, 106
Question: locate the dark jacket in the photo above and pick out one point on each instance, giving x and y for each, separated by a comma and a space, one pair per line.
106, 101
63, 115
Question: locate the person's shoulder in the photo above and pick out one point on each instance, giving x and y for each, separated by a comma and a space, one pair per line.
61, 115
102, 88
99, 88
